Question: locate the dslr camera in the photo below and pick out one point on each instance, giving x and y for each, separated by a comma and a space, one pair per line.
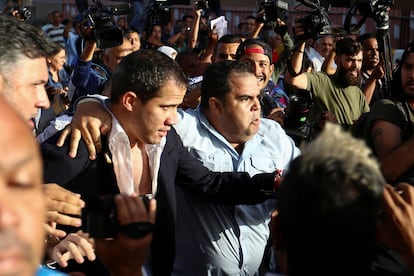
317, 23
99, 217
99, 20
270, 11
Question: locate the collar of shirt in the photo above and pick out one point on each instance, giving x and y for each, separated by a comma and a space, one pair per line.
119, 146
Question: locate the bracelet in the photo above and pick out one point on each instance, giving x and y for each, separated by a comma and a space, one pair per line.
297, 50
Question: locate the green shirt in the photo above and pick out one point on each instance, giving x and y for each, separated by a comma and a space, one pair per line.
347, 104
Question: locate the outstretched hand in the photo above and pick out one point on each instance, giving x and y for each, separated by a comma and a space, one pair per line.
61, 204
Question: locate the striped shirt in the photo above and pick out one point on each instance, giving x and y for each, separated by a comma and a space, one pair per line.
55, 33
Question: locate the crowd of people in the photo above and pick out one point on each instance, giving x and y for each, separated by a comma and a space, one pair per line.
173, 152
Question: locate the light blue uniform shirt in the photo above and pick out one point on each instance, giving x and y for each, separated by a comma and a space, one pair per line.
214, 239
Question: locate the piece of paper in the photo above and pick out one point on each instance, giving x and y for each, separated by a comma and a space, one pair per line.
220, 24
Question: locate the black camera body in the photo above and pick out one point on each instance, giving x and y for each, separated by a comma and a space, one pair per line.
201, 5
14, 9
270, 11
296, 123
317, 23
103, 31
376, 9
99, 217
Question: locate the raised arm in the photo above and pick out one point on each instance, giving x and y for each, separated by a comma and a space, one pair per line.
293, 74
193, 35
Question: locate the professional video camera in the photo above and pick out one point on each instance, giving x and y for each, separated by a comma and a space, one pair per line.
97, 24
158, 12
296, 123
376, 9
14, 9
270, 11
317, 23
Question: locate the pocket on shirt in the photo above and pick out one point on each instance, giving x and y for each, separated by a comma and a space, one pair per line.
264, 164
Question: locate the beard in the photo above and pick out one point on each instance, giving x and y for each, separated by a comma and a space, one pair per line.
345, 79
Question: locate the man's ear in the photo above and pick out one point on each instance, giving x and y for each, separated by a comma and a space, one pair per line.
129, 100
215, 104
337, 60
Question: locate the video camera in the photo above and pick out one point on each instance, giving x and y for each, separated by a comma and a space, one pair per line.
270, 11
14, 9
317, 23
376, 9
296, 123
158, 12
98, 19
100, 220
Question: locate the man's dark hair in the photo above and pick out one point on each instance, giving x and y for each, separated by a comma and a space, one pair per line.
329, 204
227, 39
216, 79
186, 16
19, 40
144, 72
396, 88
348, 46
250, 17
254, 41
365, 36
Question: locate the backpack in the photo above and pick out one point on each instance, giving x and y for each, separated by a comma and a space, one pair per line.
361, 128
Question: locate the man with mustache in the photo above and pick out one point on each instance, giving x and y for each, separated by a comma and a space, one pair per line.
225, 132
338, 94
143, 153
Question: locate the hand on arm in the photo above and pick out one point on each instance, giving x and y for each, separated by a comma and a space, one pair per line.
89, 122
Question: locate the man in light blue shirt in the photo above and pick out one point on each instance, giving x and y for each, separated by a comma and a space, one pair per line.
226, 133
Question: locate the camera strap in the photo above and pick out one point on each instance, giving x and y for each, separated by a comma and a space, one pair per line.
136, 230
